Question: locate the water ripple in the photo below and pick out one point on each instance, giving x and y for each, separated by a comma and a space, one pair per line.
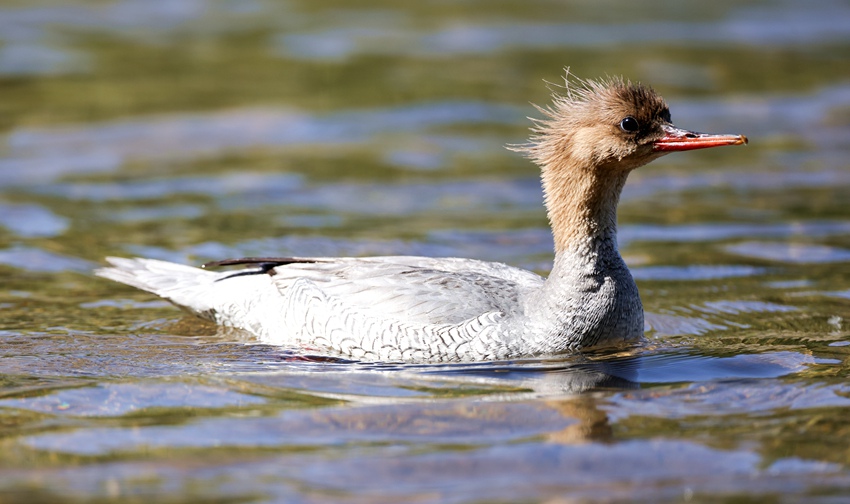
693, 272
712, 232
725, 398
118, 399
789, 26
31, 221
34, 259
793, 253
35, 155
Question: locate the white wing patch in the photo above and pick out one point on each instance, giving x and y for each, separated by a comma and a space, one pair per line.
413, 289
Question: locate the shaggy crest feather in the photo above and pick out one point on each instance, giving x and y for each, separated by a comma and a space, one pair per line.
584, 102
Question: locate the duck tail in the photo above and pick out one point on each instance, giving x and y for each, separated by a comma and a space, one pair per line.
185, 286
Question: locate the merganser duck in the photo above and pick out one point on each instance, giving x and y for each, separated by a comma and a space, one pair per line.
423, 309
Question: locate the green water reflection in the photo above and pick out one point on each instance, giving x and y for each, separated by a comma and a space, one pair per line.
203, 129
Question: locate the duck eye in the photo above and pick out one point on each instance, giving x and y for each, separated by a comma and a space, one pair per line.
629, 125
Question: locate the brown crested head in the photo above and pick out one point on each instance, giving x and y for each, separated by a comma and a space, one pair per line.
612, 124
590, 140
600, 123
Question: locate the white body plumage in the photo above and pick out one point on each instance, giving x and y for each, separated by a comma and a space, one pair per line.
415, 309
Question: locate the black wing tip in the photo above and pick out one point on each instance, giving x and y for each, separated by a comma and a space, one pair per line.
264, 265
264, 262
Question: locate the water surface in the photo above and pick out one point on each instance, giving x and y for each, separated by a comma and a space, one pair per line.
205, 129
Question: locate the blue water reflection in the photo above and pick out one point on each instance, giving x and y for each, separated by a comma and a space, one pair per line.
205, 129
